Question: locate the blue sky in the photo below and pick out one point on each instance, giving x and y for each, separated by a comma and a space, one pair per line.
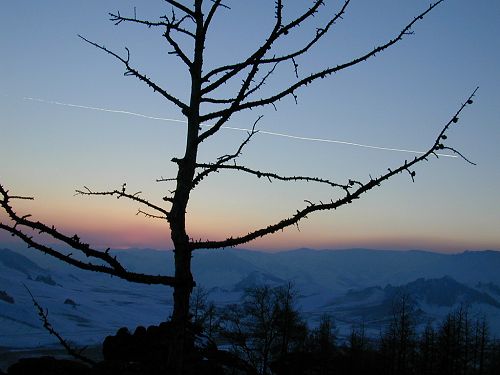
399, 99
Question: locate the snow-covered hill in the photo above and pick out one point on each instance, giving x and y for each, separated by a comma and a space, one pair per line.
354, 285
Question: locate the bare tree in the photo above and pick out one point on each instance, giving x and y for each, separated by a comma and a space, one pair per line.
265, 326
399, 340
185, 29
426, 363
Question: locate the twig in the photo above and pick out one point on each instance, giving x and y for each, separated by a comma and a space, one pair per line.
43, 314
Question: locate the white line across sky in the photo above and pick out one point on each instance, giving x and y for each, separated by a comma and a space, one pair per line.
284, 135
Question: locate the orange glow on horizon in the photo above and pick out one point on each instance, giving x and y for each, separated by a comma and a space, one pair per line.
117, 227
158, 237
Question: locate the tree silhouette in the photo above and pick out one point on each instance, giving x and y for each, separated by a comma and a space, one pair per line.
398, 341
216, 95
265, 326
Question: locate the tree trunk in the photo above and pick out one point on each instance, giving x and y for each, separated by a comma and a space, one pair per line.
182, 256
182, 340
187, 167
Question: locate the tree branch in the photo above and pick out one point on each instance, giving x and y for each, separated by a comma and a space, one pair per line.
113, 271
213, 9
150, 216
209, 168
113, 267
177, 49
233, 108
332, 205
269, 175
172, 24
320, 32
43, 314
277, 31
118, 19
122, 193
249, 91
176, 25
181, 7
315, 76
133, 72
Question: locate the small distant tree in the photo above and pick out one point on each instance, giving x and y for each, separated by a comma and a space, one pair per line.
357, 348
453, 342
290, 325
492, 361
204, 312
323, 344
357, 341
427, 351
264, 327
480, 344
399, 340
325, 335
216, 95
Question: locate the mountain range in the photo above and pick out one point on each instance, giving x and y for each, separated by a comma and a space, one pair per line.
356, 286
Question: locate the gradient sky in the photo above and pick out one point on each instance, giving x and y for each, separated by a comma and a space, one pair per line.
399, 99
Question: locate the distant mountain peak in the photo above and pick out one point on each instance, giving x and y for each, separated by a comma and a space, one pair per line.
18, 262
256, 279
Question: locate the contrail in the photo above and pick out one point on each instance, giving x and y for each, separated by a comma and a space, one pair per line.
102, 109
324, 140
335, 141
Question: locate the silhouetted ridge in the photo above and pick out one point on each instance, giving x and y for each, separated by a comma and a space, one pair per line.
18, 262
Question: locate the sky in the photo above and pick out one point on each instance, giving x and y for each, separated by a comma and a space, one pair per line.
399, 99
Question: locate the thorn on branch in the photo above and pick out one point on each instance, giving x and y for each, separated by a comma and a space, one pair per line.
412, 174
128, 55
295, 67
151, 216
116, 18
